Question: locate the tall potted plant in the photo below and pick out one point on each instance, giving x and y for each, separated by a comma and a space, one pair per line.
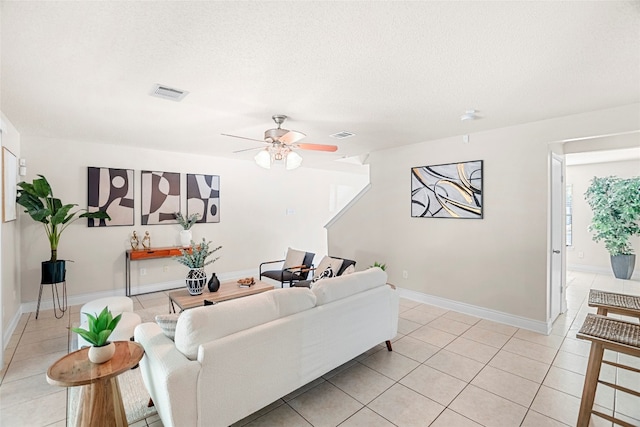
195, 258
615, 203
38, 200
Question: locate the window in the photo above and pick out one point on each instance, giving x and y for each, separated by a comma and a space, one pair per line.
569, 214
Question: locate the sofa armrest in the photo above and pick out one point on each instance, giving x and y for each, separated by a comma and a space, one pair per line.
170, 378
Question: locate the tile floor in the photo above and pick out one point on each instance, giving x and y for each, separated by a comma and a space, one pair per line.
447, 370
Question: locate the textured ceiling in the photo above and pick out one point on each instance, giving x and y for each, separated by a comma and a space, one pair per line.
393, 73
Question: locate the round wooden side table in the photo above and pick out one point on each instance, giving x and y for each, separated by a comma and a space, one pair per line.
100, 398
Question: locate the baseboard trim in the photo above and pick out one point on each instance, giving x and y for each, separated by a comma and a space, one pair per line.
11, 328
598, 270
31, 306
484, 313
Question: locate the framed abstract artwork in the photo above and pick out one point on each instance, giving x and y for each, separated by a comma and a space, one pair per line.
160, 197
111, 191
452, 190
9, 185
203, 197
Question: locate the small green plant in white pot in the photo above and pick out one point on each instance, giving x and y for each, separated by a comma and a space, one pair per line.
97, 334
195, 258
186, 224
615, 203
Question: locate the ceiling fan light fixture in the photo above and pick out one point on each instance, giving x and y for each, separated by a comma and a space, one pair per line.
263, 159
293, 160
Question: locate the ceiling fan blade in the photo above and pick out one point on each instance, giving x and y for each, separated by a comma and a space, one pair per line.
242, 137
291, 137
318, 147
248, 149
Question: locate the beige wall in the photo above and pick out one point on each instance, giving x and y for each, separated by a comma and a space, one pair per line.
584, 253
254, 225
11, 295
499, 263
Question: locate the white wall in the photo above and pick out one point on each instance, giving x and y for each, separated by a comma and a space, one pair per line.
499, 263
584, 253
9, 234
254, 226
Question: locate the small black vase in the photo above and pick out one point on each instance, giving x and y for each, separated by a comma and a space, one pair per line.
214, 283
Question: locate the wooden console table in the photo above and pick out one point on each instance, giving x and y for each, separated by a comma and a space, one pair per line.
100, 399
142, 254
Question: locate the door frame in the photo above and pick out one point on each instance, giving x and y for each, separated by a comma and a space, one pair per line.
556, 185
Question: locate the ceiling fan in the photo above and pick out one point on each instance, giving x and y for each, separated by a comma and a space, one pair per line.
280, 145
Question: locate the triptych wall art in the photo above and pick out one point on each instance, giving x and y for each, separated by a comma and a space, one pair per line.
112, 190
452, 190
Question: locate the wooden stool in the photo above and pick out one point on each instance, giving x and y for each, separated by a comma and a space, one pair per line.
609, 302
606, 333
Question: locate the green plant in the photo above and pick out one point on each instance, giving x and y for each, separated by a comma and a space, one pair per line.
188, 222
37, 198
615, 203
100, 327
196, 255
383, 267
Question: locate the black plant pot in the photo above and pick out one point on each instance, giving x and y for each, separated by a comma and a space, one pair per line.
53, 272
214, 283
623, 265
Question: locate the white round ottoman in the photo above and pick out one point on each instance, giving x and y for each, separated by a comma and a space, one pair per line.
116, 305
122, 332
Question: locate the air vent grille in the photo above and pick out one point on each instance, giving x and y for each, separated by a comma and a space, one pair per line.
166, 92
342, 135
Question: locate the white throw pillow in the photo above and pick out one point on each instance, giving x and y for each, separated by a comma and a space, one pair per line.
327, 266
349, 270
167, 323
294, 258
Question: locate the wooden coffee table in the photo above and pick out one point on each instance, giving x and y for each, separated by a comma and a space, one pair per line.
228, 290
100, 399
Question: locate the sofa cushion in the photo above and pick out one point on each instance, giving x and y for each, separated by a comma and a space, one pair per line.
340, 287
203, 324
167, 323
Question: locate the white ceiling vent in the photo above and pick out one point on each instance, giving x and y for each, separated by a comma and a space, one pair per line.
166, 92
342, 135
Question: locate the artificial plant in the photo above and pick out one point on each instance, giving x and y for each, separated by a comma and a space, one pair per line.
37, 197
615, 203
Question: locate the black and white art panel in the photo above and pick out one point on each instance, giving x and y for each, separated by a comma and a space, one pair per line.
203, 197
111, 191
160, 197
452, 190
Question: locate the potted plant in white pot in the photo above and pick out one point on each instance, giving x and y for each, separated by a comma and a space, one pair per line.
99, 329
195, 258
37, 197
186, 224
615, 203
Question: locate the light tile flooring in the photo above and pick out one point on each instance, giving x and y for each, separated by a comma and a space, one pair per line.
447, 370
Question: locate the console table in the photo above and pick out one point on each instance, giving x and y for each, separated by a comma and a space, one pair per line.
142, 254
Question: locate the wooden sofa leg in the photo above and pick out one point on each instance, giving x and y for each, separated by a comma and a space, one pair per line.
388, 343
150, 404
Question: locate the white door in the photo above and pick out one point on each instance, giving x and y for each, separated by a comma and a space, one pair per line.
558, 219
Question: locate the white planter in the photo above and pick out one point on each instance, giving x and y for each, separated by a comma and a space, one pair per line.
196, 281
185, 238
102, 354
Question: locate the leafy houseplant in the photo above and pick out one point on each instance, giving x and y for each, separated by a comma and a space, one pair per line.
615, 203
187, 222
37, 197
195, 258
383, 267
97, 333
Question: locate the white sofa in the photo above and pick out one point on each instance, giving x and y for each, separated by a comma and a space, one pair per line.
233, 358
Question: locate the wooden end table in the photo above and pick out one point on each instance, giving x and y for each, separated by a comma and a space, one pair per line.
100, 398
228, 290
